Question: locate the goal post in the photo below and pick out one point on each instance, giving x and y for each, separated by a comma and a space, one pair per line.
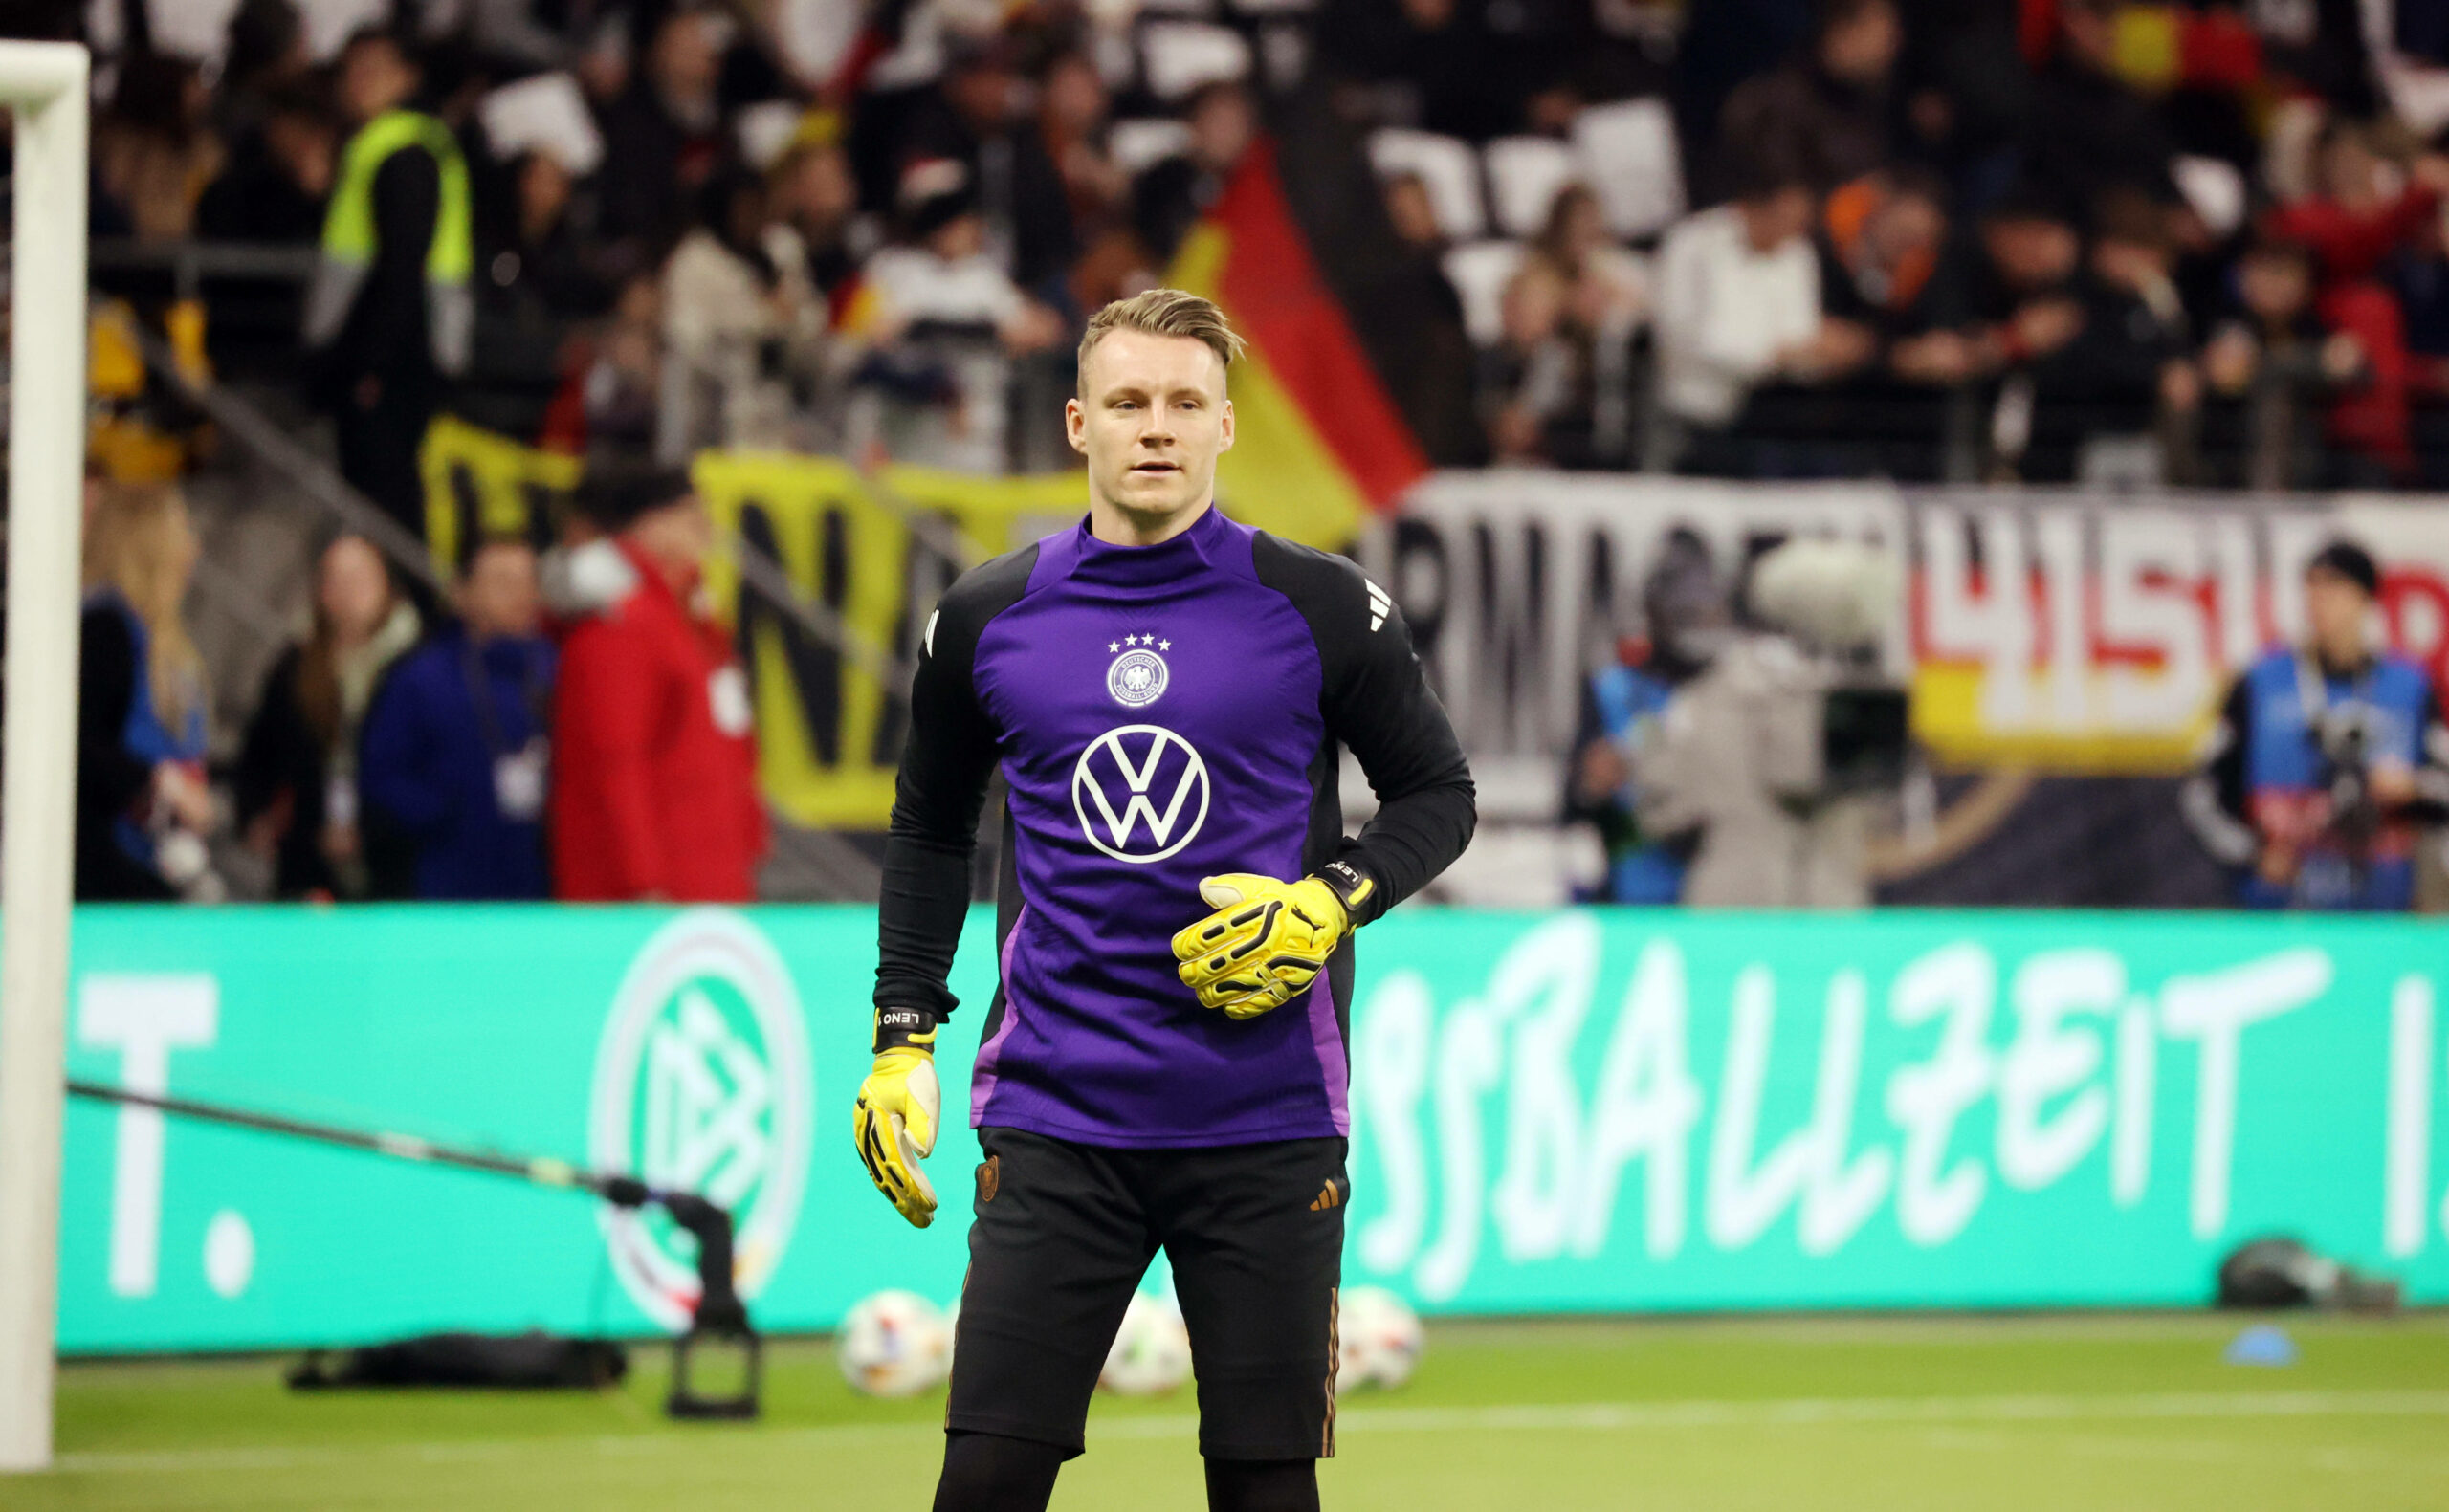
44, 84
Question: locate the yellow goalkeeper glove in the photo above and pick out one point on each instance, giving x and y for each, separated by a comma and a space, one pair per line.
1267, 939
898, 1102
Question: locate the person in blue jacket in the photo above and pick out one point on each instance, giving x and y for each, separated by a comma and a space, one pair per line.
453, 760
2328, 760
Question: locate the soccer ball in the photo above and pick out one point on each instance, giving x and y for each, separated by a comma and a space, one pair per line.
894, 1343
1377, 1337
1151, 1353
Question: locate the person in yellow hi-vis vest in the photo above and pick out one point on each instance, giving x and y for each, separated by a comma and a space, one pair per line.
388, 316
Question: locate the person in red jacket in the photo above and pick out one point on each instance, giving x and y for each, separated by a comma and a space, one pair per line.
655, 782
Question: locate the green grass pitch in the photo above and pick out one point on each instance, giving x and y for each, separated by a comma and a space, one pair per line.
1832, 1415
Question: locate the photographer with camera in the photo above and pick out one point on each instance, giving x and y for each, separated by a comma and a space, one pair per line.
1771, 767
2328, 759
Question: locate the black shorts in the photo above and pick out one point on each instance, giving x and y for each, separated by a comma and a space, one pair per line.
1063, 1235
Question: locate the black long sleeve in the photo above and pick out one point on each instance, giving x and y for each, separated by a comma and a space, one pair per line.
1377, 701
408, 197
2214, 800
109, 777
938, 793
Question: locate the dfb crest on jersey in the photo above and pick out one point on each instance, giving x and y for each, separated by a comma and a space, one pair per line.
1141, 792
1137, 678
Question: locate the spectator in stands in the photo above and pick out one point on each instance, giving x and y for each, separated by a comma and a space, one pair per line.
1884, 279
2127, 366
1533, 383
654, 791
1830, 109
1435, 64
1170, 195
388, 315
296, 774
2089, 131
279, 176
2327, 760
1074, 117
815, 195
612, 392
543, 259
2355, 223
2026, 307
1606, 284
977, 116
143, 808
454, 758
944, 321
743, 328
2271, 371
663, 137
153, 153
1739, 305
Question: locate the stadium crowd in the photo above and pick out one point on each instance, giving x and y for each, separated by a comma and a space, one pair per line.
2039, 240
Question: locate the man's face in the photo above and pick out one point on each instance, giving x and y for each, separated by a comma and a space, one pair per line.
1221, 129
2276, 288
2334, 611
684, 61
499, 597
1152, 420
1862, 51
677, 537
374, 78
2032, 252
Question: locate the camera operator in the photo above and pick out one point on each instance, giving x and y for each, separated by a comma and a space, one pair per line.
2328, 758
1773, 764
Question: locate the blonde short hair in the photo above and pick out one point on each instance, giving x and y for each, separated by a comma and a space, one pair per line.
1163, 311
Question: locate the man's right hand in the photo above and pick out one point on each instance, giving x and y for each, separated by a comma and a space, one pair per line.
894, 1122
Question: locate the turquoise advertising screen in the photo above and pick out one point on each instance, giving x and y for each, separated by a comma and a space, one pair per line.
1604, 1109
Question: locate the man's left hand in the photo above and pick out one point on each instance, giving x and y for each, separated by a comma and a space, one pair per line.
1263, 945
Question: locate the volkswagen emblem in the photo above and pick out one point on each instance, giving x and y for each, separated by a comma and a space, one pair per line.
1141, 792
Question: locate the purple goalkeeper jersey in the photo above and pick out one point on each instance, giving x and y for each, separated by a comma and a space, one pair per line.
1159, 715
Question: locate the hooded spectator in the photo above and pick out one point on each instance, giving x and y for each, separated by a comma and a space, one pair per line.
296, 776
654, 791
143, 808
454, 758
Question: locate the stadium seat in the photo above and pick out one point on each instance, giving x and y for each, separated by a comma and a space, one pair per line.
1628, 155
1137, 144
1523, 174
1479, 271
1449, 168
1179, 56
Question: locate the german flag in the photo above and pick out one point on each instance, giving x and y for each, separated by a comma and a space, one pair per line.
1319, 444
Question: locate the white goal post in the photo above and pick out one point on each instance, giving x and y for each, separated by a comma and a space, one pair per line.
44, 84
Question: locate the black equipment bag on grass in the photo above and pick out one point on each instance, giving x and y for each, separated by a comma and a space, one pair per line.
531, 1361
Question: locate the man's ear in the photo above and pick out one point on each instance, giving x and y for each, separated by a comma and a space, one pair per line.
1226, 428
1076, 426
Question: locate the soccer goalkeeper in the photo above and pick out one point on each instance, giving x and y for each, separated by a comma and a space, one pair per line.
1163, 1063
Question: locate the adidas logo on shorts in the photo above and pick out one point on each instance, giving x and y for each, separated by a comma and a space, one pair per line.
1330, 1196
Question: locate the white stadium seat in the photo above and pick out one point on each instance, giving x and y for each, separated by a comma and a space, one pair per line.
1447, 165
1523, 174
1479, 271
1137, 144
1628, 155
1180, 56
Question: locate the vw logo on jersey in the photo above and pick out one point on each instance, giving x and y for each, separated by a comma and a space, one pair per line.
1141, 792
1137, 678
